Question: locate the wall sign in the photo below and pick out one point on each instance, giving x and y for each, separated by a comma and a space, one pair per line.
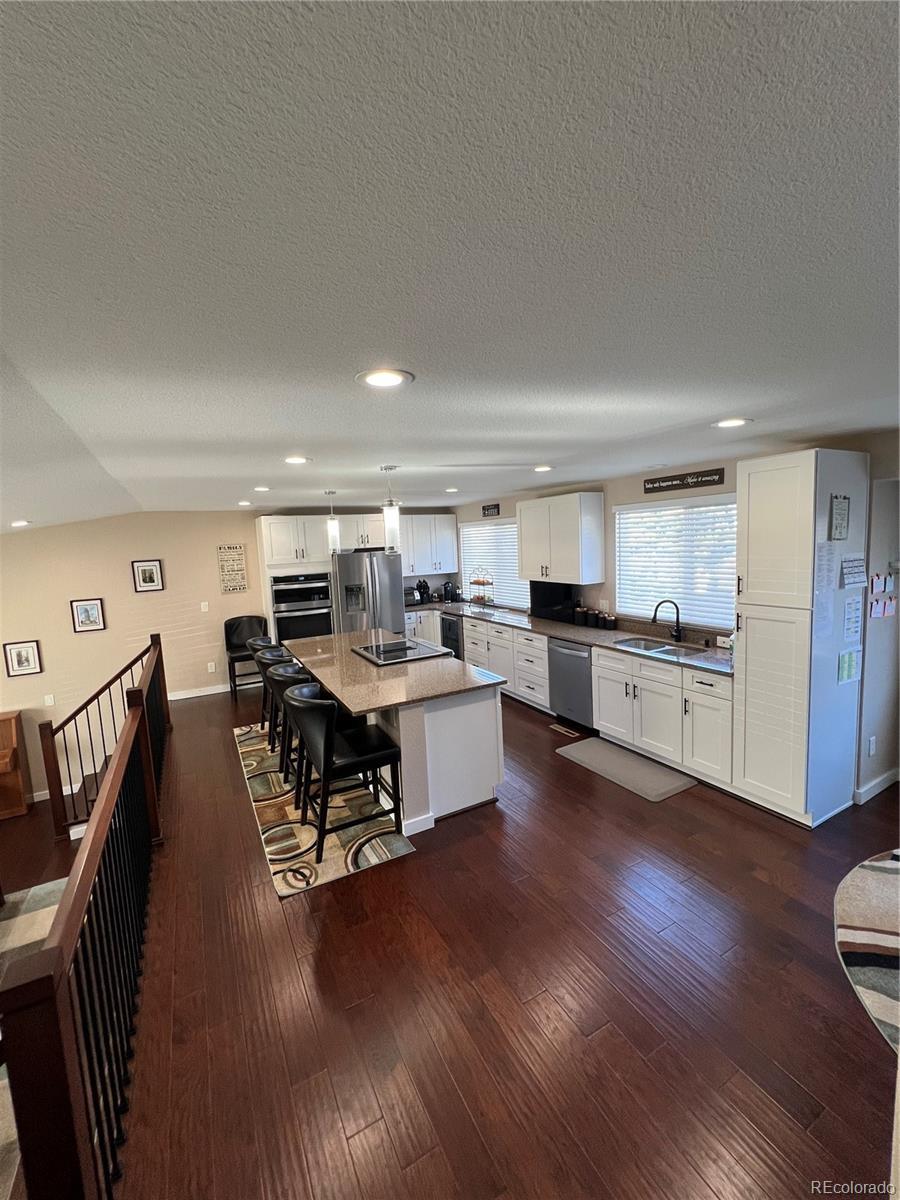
691, 479
232, 567
490, 510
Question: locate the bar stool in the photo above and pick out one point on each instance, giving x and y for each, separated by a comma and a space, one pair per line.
279, 678
265, 658
309, 691
238, 631
337, 755
261, 642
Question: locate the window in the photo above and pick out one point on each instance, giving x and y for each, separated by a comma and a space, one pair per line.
493, 547
682, 551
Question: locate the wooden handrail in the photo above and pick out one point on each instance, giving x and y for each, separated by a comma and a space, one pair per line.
76, 712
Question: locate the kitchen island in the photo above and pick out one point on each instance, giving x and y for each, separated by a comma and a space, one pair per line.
444, 714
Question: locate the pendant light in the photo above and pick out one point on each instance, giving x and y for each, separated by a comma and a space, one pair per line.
332, 525
391, 511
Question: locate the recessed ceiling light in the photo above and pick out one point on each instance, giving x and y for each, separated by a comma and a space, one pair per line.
451, 489
243, 503
731, 423
18, 524
296, 460
543, 468
260, 489
384, 377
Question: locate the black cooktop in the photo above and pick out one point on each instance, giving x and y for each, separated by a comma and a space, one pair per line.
386, 654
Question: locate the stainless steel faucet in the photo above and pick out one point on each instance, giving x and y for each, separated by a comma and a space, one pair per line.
676, 633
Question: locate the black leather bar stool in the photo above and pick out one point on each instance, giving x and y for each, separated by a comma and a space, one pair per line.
265, 658
309, 691
279, 678
238, 630
338, 755
255, 644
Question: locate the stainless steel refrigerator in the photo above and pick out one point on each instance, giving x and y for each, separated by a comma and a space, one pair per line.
367, 591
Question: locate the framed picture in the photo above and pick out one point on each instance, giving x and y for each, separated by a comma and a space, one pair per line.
147, 574
87, 615
22, 658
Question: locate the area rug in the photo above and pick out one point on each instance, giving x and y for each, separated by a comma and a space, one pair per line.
647, 778
289, 846
867, 936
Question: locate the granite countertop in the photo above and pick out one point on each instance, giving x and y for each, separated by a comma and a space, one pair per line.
706, 659
361, 687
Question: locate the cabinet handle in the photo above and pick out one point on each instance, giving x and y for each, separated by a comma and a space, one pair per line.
627, 693
634, 691
528, 687
703, 683
685, 706
740, 584
737, 625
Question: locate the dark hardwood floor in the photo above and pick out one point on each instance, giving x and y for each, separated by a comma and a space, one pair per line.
28, 853
571, 993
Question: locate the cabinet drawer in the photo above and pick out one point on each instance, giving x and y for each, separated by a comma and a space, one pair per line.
499, 633
475, 643
648, 668
531, 662
478, 660
536, 641
531, 687
474, 626
612, 660
706, 683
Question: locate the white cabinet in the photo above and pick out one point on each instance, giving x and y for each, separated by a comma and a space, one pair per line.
407, 552
706, 735
423, 547
533, 521
361, 530
561, 538
425, 625
613, 703
776, 529
444, 543
410, 625
502, 658
288, 541
657, 717
372, 529
281, 540
771, 704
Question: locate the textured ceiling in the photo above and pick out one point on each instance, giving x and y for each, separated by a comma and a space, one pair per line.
590, 230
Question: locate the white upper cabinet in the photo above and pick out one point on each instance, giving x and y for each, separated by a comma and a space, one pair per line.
561, 538
315, 539
372, 529
771, 704
361, 531
428, 544
445, 548
776, 529
281, 540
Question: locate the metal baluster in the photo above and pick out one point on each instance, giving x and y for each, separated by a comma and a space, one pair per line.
102, 731
108, 1158
83, 787
87, 716
104, 945
70, 803
91, 937
119, 943
112, 713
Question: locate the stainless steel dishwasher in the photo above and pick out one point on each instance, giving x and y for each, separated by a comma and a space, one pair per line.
570, 681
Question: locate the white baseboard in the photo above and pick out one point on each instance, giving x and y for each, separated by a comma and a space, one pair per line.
861, 795
213, 690
419, 825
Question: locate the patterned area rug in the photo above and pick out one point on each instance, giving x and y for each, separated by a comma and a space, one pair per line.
289, 846
867, 935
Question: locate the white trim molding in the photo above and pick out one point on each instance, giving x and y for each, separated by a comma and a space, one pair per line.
861, 795
213, 690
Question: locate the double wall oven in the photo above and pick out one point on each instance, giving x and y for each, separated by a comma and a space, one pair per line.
301, 605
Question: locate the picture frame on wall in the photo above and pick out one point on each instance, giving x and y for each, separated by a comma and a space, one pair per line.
22, 658
87, 615
147, 574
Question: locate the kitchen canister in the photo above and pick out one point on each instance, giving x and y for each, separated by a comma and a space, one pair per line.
581, 616
593, 618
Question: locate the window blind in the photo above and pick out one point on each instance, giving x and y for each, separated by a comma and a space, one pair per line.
493, 547
681, 551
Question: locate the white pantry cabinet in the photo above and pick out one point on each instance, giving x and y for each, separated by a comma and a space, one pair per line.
771, 704
561, 538
613, 703
657, 717
706, 735
776, 513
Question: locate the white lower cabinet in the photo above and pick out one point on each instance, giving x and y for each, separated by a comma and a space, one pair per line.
501, 659
532, 688
706, 735
613, 703
657, 718
424, 625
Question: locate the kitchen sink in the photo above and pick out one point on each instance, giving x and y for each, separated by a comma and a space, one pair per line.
641, 645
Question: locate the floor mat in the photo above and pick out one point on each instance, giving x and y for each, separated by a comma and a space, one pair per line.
289, 845
645, 776
867, 935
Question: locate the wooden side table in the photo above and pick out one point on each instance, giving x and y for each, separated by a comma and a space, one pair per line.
15, 777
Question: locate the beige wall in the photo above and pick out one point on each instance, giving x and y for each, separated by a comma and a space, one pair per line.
879, 699
41, 570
